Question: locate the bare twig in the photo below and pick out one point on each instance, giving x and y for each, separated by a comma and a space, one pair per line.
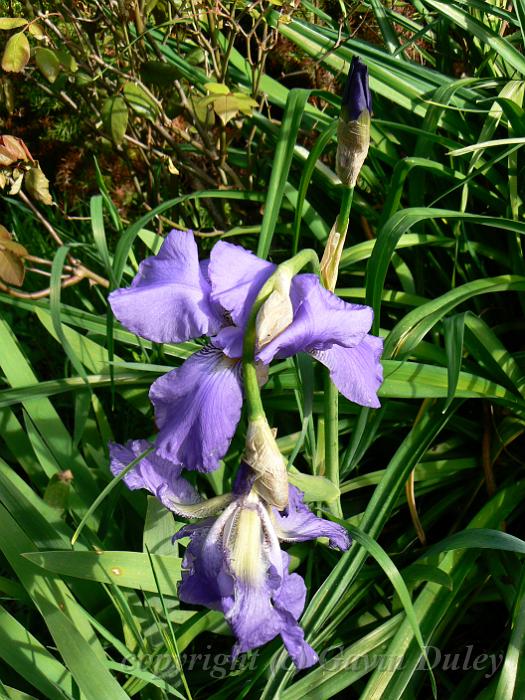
45, 223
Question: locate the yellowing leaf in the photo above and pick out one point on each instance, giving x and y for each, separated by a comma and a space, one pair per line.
36, 30
37, 184
217, 88
16, 182
201, 108
12, 268
228, 106
48, 63
16, 53
7, 23
172, 168
14, 247
115, 118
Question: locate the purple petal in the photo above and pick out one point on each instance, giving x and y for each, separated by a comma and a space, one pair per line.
168, 301
244, 480
200, 584
234, 564
356, 372
261, 613
292, 594
253, 618
237, 276
320, 320
300, 651
159, 476
229, 340
301, 524
197, 408
356, 94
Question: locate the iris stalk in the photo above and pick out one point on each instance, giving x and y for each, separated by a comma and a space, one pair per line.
331, 393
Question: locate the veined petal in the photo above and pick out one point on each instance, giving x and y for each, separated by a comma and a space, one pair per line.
204, 578
237, 276
197, 408
153, 473
320, 321
292, 594
290, 604
262, 612
356, 372
168, 300
253, 618
234, 564
229, 339
299, 650
301, 524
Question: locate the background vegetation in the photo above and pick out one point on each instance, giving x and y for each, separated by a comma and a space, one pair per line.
221, 117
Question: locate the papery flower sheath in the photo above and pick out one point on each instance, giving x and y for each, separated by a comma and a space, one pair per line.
175, 298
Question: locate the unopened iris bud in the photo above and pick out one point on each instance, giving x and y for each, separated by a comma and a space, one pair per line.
276, 314
353, 131
262, 454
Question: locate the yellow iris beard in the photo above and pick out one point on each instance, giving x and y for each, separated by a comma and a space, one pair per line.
247, 562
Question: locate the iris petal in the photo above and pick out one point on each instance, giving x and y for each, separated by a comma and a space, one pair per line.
203, 580
168, 300
320, 320
356, 372
300, 524
237, 276
197, 408
153, 473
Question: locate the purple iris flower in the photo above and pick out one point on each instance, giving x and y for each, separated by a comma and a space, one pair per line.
234, 562
175, 298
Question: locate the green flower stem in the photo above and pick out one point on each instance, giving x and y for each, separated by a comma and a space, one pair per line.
344, 212
251, 385
331, 393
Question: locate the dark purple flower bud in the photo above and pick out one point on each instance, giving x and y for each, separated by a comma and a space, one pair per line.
356, 95
353, 131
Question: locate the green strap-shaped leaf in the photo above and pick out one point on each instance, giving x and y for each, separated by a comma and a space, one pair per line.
472, 25
282, 161
127, 569
28, 657
92, 675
